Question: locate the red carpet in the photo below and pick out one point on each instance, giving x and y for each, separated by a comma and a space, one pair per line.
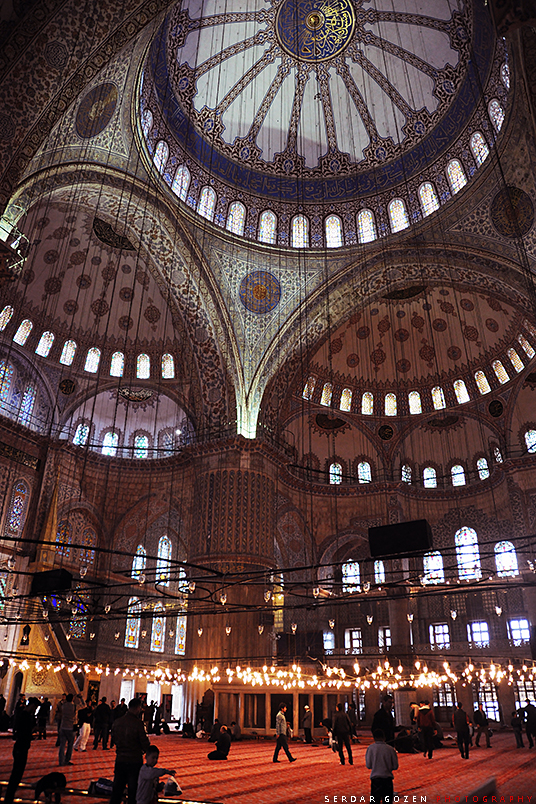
250, 777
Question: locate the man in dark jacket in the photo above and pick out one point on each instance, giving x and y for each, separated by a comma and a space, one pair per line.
342, 728
427, 726
223, 744
481, 722
25, 728
308, 725
384, 720
131, 742
101, 724
460, 721
529, 716
43, 714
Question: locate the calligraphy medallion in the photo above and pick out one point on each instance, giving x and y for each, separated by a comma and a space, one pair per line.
315, 30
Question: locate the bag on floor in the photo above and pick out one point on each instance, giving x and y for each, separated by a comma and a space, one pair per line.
172, 787
102, 787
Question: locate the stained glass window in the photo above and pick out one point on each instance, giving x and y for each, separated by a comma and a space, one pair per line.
438, 398
457, 475
379, 572
139, 561
26, 408
207, 202
132, 630
163, 561
479, 148
6, 377
367, 404
433, 568
478, 634
467, 554
308, 391
515, 360
460, 389
45, 344
414, 399
81, 435
496, 113
519, 633
300, 232
398, 216
161, 154
64, 538
482, 468
146, 122
346, 399
351, 577
181, 182
429, 477
89, 542
500, 371
506, 560
141, 446
497, 454
236, 218
92, 360
482, 382
117, 364
143, 367
78, 624
110, 443
390, 405
167, 443
525, 345
67, 353
530, 440
364, 472
180, 636
505, 75
528, 326
428, 198
168, 367
4, 584
17, 509
267, 227
326, 394
335, 474
406, 473
456, 176
21, 335
333, 226
158, 632
5, 317
366, 227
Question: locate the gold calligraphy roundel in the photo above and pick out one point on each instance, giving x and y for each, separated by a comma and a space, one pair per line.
315, 30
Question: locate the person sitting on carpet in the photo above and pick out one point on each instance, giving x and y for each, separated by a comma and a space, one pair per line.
51, 783
223, 744
148, 787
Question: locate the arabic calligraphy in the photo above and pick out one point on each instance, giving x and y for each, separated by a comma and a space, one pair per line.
315, 30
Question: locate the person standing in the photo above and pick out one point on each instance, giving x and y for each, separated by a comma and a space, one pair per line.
147, 790
427, 726
381, 759
352, 717
342, 728
308, 725
529, 716
223, 744
118, 712
25, 729
281, 734
517, 725
481, 722
57, 717
461, 723
101, 724
43, 714
383, 719
131, 742
68, 712
84, 725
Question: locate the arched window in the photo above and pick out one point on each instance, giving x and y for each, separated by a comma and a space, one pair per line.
180, 637
64, 538
333, 225
398, 217
482, 468
308, 391
45, 344
92, 360
267, 227
438, 398
500, 371
17, 509
529, 327
530, 440
335, 474
525, 345
429, 477
168, 367
236, 218
27, 406
479, 148
428, 198
327, 392
78, 623
117, 364
460, 389
146, 122
110, 443
161, 154
81, 435
346, 399
482, 382
132, 629
467, 554
158, 632
351, 577
496, 113
5, 317
300, 232
379, 572
139, 562
24, 329
457, 475
141, 446
207, 202
390, 404
143, 367
89, 542
366, 227
456, 176
163, 561
367, 404
414, 400
6, 377
406, 473
515, 360
497, 454
181, 182
433, 568
506, 560
505, 75
364, 472
68, 353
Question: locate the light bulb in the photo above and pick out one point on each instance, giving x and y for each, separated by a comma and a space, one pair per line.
68, 636
370, 619
92, 635
199, 631
332, 624
267, 595
141, 579
191, 587
227, 629
410, 618
117, 634
107, 608
260, 628
453, 613
223, 598
294, 627
366, 586
316, 591
83, 572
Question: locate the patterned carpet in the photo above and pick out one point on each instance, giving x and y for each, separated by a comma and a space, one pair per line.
250, 777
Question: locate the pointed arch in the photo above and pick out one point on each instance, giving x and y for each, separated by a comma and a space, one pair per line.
163, 560
467, 554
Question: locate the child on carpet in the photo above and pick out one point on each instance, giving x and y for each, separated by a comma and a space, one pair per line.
148, 787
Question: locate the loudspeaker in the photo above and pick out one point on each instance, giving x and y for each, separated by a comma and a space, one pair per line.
533, 642
402, 539
47, 583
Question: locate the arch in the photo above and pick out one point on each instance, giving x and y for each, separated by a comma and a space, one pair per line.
479, 148
398, 217
268, 227
429, 477
139, 562
81, 434
117, 364
92, 360
110, 442
505, 75
327, 392
141, 446
500, 371
89, 543
467, 554
236, 218
23, 331
16, 513
406, 473
515, 360
438, 398
335, 474
457, 475
428, 198
346, 400
414, 401
158, 631
496, 114
300, 232
530, 440
379, 572
526, 346
462, 394
27, 405
366, 226
67, 353
456, 175
367, 404
207, 203
161, 155
6, 378
180, 637
506, 560
64, 538
351, 577
333, 230
364, 472
482, 382
163, 561
5, 317
181, 182
45, 344
143, 366
132, 628
168, 367
433, 568
390, 404
146, 122
309, 388
482, 468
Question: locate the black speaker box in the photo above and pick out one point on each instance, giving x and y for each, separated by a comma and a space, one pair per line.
402, 539
50, 582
